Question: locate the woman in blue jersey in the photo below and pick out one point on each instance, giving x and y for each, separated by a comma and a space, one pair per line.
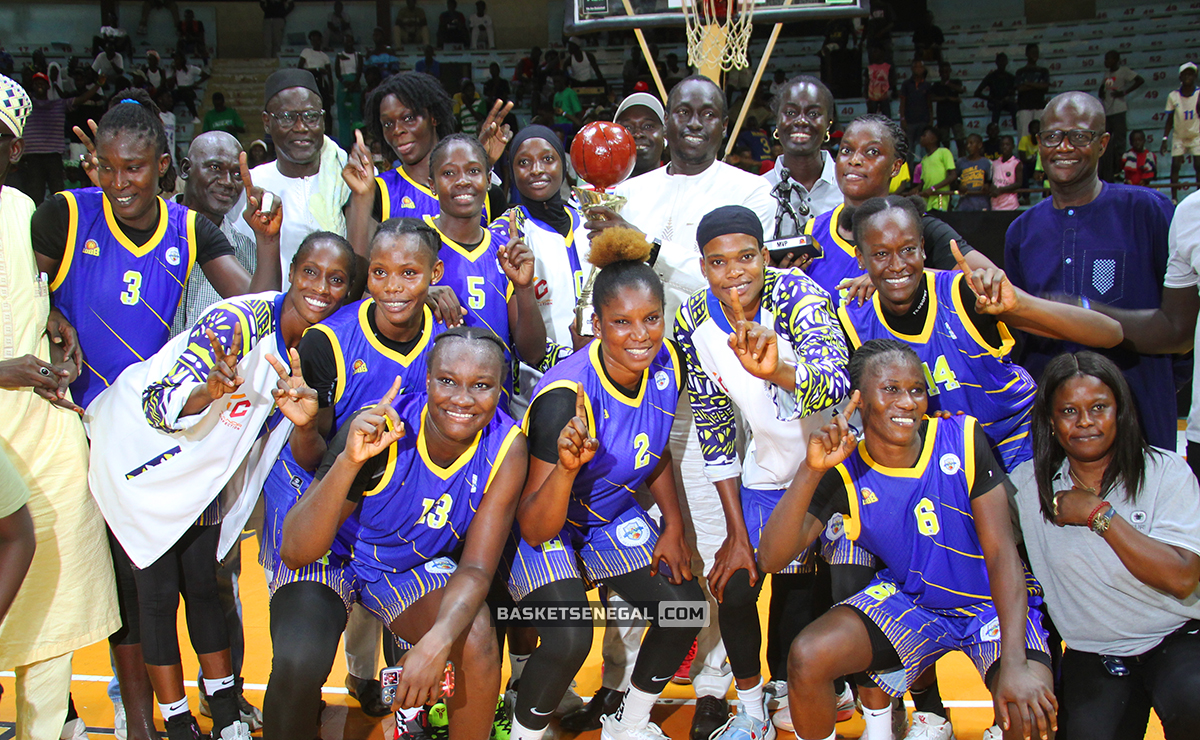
351, 360
598, 430
435, 478
180, 446
927, 498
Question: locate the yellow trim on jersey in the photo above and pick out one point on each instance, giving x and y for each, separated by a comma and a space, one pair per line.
422, 342
472, 255
388, 469
674, 362
846, 246
508, 440
852, 522
385, 199
594, 356
124, 241
915, 471
930, 316
339, 358
416, 184
808, 225
455, 466
574, 387
191, 241
848, 326
969, 451
72, 234
1006, 338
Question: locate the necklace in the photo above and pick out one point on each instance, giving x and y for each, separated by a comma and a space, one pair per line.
1080, 483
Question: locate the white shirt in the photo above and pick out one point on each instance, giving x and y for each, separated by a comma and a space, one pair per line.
482, 34
824, 196
168, 122
187, 76
669, 207
108, 67
314, 60
1186, 126
1183, 272
1121, 80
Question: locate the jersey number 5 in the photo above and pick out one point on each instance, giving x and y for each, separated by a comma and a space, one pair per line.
475, 294
133, 288
641, 446
927, 521
436, 511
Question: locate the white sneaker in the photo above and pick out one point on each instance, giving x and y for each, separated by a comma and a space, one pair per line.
776, 693
611, 728
236, 731
120, 730
76, 729
742, 726
570, 702
929, 726
782, 719
846, 704
993, 733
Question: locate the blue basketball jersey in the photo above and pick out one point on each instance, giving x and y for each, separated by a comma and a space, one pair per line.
419, 510
121, 297
403, 197
963, 372
633, 432
918, 520
838, 260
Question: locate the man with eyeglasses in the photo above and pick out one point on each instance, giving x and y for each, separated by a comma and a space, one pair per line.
307, 171
1100, 245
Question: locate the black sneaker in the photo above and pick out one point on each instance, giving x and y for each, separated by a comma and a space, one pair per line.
605, 701
711, 713
183, 727
368, 693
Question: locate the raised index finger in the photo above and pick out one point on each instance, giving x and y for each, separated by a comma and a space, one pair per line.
851, 407
735, 305
244, 167
580, 403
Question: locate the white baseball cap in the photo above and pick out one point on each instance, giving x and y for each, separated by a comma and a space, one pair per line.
641, 98
1187, 65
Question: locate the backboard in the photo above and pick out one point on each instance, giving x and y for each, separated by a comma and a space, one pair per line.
586, 16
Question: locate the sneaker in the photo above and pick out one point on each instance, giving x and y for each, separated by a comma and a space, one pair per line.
744, 727
502, 722
776, 695
366, 691
929, 726
682, 677
712, 712
993, 733
612, 729
571, 702
236, 731
120, 726
74, 730
183, 727
846, 704
247, 712
900, 719
605, 701
782, 719
439, 717
416, 728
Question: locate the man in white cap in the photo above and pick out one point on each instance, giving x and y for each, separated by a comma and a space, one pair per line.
642, 116
68, 600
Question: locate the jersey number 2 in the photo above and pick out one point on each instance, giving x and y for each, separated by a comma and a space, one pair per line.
641, 446
133, 288
437, 511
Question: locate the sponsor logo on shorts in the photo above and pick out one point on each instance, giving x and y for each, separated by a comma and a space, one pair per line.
661, 380
950, 463
90, 247
358, 367
407, 202
441, 565
173, 256
633, 532
835, 528
990, 632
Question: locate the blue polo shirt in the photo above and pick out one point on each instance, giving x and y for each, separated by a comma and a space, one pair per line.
1114, 251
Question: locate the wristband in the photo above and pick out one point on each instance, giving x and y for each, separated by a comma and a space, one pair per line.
1102, 522
1092, 517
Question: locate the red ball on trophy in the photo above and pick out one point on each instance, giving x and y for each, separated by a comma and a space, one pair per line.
603, 153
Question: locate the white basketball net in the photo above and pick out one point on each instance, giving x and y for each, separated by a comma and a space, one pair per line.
718, 39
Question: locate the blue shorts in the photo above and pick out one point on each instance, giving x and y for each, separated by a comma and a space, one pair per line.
833, 546
921, 636
387, 594
621, 546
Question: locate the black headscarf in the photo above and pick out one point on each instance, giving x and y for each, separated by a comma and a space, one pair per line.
551, 212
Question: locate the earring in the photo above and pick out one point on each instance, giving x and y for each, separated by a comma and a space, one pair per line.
775, 134
827, 136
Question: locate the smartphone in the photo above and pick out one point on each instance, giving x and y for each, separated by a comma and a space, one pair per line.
798, 247
389, 680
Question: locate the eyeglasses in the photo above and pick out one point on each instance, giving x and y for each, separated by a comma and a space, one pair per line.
1078, 137
288, 119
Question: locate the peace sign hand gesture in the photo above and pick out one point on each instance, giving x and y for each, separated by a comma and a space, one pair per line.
994, 294
834, 442
359, 172
88, 162
264, 210
295, 399
516, 258
575, 446
494, 134
375, 429
756, 346
223, 379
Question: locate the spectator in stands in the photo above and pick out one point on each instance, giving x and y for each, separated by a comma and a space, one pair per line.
999, 89
566, 103
642, 116
469, 108
1096, 242
112, 30
1007, 176
1183, 123
381, 56
937, 171
580, 65
109, 62
880, 79
552, 65
452, 27
41, 164
878, 25
672, 72
495, 87
916, 109
633, 69
315, 60
149, 6
191, 35
483, 36
1027, 150
37, 64
275, 13
6, 63
1033, 82
153, 73
337, 26
185, 78
412, 27
974, 177
166, 113
257, 153
527, 78
1119, 81
839, 36
946, 95
1122, 595
928, 39
804, 111
991, 145
778, 82
429, 65
348, 67
224, 119
1139, 165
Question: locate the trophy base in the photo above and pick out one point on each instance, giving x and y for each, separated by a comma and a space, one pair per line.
589, 198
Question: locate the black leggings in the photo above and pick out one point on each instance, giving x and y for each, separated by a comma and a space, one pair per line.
564, 646
741, 629
190, 568
307, 621
796, 600
1096, 705
130, 632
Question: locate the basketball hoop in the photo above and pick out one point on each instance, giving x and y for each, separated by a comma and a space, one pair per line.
718, 34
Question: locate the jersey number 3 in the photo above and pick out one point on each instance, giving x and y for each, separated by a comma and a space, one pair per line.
436, 511
133, 288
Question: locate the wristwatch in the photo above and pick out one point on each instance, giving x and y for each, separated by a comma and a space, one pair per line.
1101, 521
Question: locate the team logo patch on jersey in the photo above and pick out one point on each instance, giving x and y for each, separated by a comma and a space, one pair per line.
950, 463
553, 545
1138, 519
173, 256
407, 202
868, 497
441, 565
91, 247
661, 380
358, 367
633, 532
990, 632
297, 483
835, 528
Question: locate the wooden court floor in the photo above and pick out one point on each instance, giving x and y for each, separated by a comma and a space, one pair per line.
963, 691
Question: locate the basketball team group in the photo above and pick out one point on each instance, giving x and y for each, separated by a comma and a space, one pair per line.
460, 421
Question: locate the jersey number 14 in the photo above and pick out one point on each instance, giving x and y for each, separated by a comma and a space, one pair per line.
941, 374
